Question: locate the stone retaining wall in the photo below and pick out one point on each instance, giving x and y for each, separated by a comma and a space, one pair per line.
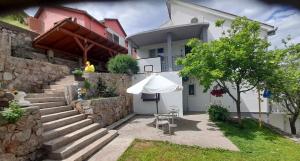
25, 74
22, 141
119, 81
30, 75
20, 45
105, 111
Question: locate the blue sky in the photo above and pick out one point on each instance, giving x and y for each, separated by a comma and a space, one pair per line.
137, 16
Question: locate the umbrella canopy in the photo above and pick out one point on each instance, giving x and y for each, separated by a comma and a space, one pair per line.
154, 84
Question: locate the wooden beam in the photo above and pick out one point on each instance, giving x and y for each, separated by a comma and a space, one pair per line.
79, 43
37, 39
61, 40
49, 48
83, 38
90, 46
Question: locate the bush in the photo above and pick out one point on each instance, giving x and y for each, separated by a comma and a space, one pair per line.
123, 64
13, 113
78, 72
218, 113
110, 92
104, 91
87, 85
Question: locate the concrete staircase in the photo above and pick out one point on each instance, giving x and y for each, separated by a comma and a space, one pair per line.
68, 135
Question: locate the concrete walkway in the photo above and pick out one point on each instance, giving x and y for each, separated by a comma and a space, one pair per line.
193, 129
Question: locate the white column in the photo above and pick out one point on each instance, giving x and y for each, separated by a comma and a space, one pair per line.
170, 55
204, 34
129, 48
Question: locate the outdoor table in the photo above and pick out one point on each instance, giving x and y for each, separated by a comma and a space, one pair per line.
166, 119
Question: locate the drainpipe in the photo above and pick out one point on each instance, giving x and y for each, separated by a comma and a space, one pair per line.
170, 56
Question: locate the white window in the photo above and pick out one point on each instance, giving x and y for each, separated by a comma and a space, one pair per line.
116, 39
152, 53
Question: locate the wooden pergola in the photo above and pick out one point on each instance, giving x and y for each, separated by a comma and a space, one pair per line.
73, 40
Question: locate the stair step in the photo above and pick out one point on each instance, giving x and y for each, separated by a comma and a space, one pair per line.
57, 86
87, 151
64, 83
59, 115
51, 110
76, 144
45, 99
62, 122
53, 91
49, 104
41, 95
120, 122
71, 137
55, 133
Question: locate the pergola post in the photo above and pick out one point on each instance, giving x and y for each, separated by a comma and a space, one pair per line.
84, 47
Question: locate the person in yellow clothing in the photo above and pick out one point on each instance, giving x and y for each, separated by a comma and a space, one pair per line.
89, 67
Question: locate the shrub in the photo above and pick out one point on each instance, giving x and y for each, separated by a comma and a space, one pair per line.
78, 72
123, 64
87, 85
13, 113
218, 113
104, 91
110, 92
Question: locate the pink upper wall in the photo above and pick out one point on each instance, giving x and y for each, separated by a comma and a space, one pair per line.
115, 26
49, 16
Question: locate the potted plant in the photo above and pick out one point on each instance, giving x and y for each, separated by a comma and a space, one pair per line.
78, 75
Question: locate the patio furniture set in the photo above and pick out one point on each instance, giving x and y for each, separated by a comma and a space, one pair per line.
167, 121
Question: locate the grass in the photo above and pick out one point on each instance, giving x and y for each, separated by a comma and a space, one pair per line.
10, 19
255, 144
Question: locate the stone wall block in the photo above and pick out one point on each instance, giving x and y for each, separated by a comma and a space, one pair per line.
22, 141
22, 136
8, 157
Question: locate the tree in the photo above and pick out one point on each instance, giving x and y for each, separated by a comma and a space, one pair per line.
284, 83
238, 59
123, 64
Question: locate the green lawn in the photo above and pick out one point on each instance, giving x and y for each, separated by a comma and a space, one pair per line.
11, 20
256, 144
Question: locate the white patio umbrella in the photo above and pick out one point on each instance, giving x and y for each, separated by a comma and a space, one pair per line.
154, 84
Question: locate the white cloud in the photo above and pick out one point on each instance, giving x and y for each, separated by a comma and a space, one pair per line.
137, 16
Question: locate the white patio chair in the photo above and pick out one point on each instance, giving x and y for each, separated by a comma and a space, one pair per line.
160, 121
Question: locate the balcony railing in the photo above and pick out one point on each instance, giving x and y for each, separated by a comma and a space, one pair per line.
165, 64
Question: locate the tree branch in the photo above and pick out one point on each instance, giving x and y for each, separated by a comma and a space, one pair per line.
223, 85
287, 106
291, 101
250, 88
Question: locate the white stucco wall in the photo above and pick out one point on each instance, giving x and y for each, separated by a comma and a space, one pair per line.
166, 99
155, 62
279, 120
178, 49
200, 101
182, 13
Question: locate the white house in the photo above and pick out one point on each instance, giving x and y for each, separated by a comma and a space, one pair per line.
158, 49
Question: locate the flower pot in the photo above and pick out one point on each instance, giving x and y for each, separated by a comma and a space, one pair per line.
78, 78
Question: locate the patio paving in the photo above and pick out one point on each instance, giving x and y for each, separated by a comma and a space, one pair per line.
193, 129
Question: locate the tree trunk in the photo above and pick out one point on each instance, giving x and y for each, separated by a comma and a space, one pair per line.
238, 105
292, 121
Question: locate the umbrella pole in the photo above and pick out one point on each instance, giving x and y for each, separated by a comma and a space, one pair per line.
156, 100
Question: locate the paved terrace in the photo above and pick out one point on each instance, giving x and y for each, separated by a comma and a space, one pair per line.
193, 129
